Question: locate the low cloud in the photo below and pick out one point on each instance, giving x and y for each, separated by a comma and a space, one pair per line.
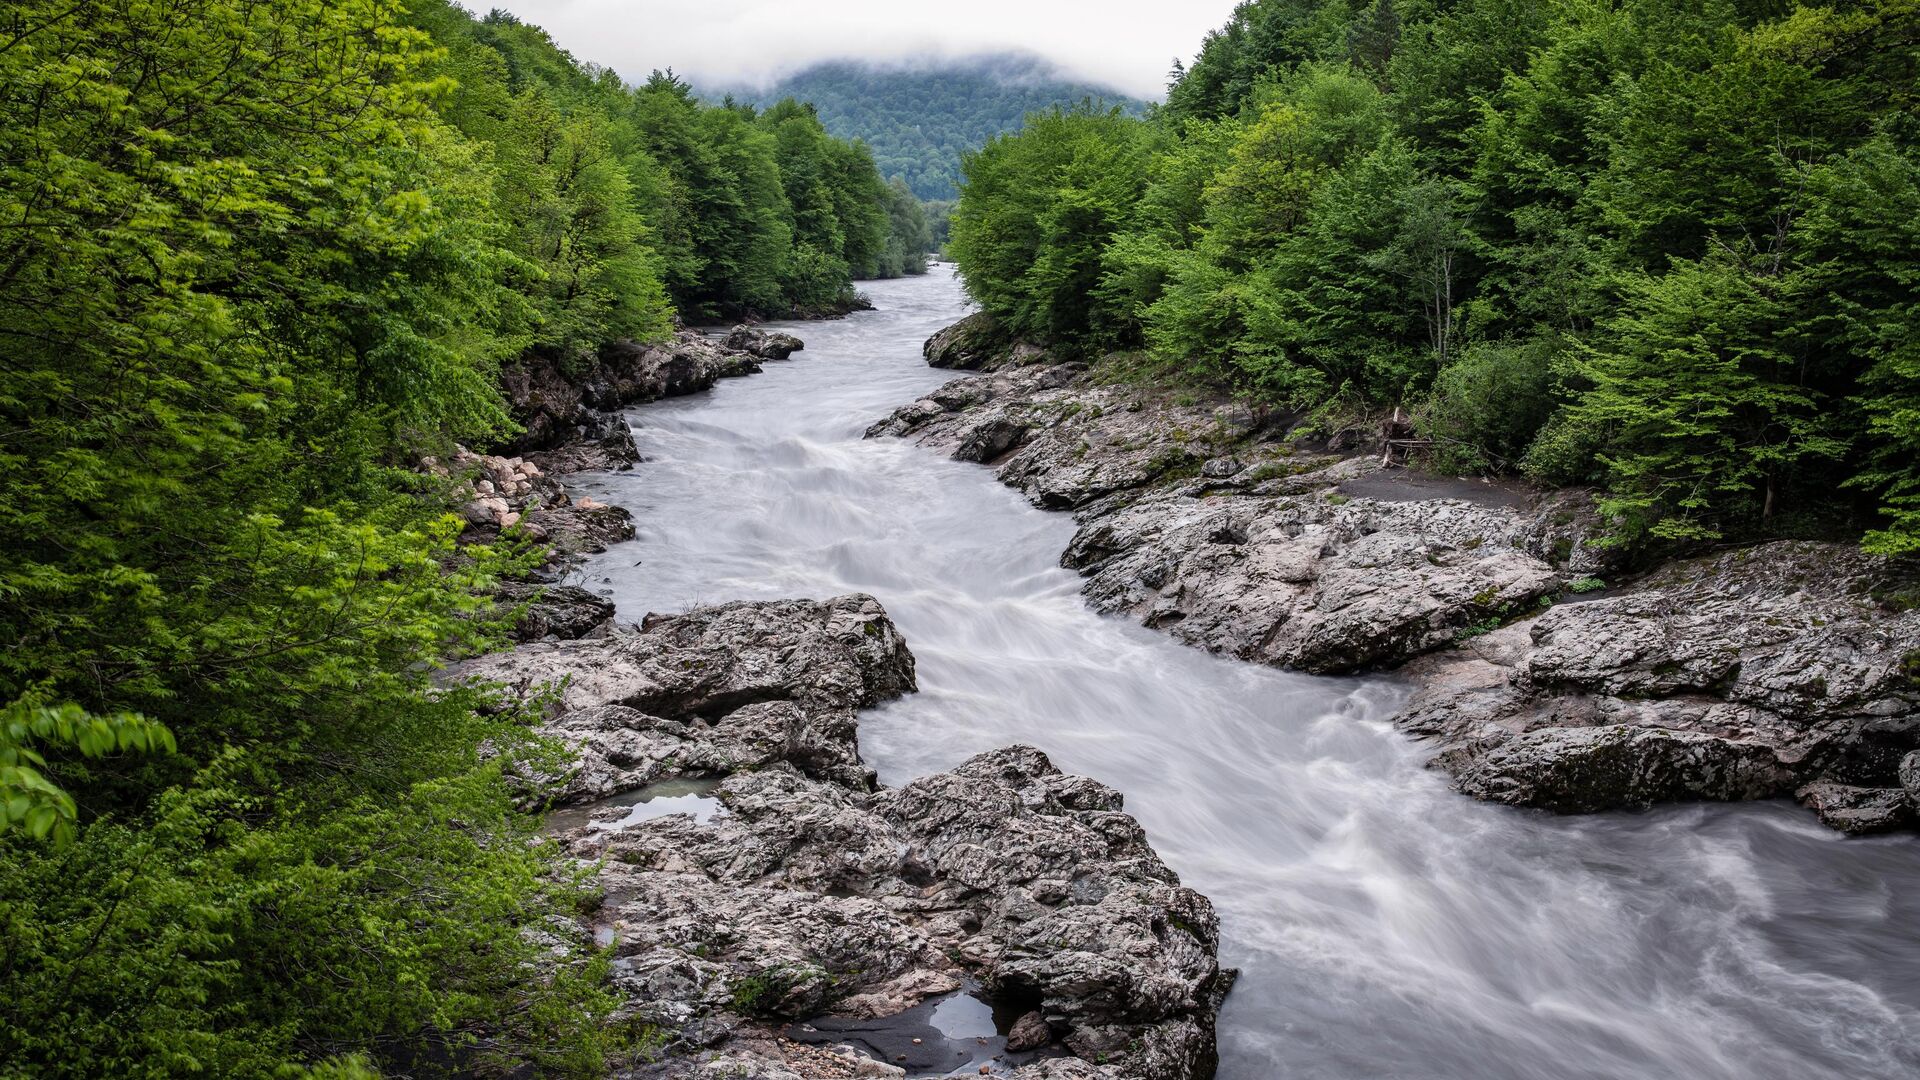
1126, 44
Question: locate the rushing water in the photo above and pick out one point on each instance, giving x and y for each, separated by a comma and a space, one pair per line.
1384, 926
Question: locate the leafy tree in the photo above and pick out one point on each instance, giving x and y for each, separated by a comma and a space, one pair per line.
1664, 248
1040, 208
1696, 399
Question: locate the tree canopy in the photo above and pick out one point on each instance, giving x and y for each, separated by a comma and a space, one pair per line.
1665, 249
260, 259
920, 120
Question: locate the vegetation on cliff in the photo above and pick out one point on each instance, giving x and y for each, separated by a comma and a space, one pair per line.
1668, 249
258, 259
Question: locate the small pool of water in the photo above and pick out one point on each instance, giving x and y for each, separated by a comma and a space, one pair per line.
693, 798
954, 1035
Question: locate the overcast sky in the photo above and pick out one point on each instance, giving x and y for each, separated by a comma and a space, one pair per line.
1127, 44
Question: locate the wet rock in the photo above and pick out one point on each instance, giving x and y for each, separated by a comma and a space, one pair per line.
810, 892
1910, 775
1030, 1032
767, 346
564, 612
1746, 675
1858, 810
971, 344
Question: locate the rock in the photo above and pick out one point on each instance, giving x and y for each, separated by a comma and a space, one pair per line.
563, 612
809, 890
1858, 810
1910, 775
1030, 1032
1746, 675
563, 402
842, 653
1192, 524
973, 343
1310, 582
760, 343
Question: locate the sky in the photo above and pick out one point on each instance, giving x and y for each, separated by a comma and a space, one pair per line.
1125, 44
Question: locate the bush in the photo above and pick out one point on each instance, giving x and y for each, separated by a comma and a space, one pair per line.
1487, 407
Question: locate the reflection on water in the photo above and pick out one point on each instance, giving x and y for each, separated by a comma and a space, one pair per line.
1386, 927
693, 798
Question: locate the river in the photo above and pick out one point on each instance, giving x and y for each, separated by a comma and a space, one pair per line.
1384, 926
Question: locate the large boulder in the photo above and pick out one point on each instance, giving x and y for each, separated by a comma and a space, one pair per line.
842, 653
974, 343
767, 345
801, 889
1756, 673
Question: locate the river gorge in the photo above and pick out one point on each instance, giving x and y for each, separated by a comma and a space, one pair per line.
1383, 924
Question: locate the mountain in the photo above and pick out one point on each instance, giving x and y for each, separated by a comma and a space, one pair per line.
919, 118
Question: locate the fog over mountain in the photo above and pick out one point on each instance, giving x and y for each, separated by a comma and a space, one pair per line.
921, 114
1124, 44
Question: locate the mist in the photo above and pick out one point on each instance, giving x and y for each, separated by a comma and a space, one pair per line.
1128, 45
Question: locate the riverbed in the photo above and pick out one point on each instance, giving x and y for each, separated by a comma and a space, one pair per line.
1384, 925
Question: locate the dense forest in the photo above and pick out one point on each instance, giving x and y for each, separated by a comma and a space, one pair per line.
259, 259
920, 120
1672, 250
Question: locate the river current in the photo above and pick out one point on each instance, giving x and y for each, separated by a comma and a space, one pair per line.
1385, 927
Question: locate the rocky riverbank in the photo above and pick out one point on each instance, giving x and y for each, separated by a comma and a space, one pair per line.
1788, 669
774, 913
569, 408
572, 422
795, 907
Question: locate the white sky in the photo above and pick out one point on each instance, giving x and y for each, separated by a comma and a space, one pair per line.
1126, 44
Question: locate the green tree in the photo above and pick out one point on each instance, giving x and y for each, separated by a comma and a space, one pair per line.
1697, 400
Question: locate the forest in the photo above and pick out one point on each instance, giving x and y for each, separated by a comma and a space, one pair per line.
920, 120
259, 260
1668, 249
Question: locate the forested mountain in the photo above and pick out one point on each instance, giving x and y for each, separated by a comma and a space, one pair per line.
1672, 250
259, 260
919, 120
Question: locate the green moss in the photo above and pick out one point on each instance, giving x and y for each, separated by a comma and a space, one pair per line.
761, 993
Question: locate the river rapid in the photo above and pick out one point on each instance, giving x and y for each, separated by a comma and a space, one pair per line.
1384, 925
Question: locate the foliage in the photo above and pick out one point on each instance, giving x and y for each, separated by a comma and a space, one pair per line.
260, 258
1041, 208
922, 121
1669, 249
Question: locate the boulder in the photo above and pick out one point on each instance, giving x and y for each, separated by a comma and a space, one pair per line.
766, 345
807, 890
561, 612
974, 343
1752, 674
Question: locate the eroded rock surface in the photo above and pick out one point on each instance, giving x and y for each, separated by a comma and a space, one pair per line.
569, 406
1201, 519
812, 891
1762, 673
1757, 673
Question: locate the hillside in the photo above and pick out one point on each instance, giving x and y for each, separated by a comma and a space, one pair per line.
920, 120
